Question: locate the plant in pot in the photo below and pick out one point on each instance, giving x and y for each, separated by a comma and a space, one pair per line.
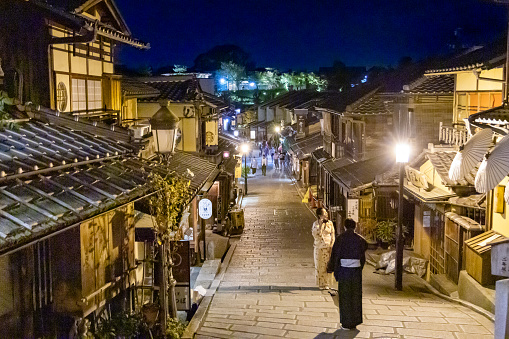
385, 232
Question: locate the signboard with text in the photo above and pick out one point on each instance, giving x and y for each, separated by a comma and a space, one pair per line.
205, 208
182, 274
352, 211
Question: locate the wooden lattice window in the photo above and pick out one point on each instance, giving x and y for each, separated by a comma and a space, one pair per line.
437, 254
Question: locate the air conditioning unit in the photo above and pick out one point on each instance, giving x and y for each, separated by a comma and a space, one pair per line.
140, 130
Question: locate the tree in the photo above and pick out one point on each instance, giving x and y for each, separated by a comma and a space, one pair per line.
270, 78
166, 208
179, 68
249, 116
212, 59
232, 72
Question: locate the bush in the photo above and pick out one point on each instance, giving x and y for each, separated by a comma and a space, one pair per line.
245, 171
175, 328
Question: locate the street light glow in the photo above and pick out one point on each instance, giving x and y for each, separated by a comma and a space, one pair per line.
252, 84
222, 81
244, 148
278, 129
236, 133
402, 153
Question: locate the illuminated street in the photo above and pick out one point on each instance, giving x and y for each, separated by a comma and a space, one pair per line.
268, 290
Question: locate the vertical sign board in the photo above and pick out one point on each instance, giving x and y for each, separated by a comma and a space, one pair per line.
352, 211
182, 274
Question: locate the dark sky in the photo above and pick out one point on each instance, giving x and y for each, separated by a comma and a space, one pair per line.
305, 34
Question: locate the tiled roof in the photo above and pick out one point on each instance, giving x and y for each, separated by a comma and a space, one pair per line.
62, 10
442, 161
307, 145
338, 101
363, 172
202, 170
36, 146
215, 101
43, 202
137, 89
334, 164
485, 57
187, 90
495, 117
227, 143
372, 104
432, 85
178, 91
320, 155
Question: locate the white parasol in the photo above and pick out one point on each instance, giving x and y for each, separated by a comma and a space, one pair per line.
494, 167
470, 154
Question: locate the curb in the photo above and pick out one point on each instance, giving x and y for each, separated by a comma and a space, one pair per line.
475, 308
196, 322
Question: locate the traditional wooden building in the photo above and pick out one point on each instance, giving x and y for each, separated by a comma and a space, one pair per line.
67, 234
65, 61
199, 111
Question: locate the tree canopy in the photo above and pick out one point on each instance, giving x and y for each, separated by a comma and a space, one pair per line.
212, 59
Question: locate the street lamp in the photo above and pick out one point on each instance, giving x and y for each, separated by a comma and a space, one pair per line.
402, 157
277, 129
164, 122
245, 149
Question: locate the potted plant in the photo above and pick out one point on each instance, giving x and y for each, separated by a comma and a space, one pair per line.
385, 232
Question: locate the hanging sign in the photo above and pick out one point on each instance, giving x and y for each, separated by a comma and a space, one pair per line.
205, 208
352, 211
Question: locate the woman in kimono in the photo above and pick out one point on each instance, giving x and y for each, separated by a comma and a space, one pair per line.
347, 260
323, 233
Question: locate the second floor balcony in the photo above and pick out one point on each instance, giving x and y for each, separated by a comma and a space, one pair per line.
453, 135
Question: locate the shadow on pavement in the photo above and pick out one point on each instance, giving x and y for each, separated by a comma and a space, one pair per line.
267, 288
346, 334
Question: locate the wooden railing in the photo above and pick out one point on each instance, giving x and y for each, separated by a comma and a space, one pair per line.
453, 135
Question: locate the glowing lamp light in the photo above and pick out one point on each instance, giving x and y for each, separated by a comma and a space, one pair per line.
402, 153
237, 110
278, 129
226, 154
236, 133
244, 148
164, 124
222, 81
252, 84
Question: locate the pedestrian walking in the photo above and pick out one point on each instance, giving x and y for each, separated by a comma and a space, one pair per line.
276, 161
324, 236
264, 165
254, 165
272, 154
347, 260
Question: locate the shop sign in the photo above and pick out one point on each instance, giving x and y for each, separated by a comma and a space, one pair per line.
182, 274
416, 178
352, 210
500, 258
205, 208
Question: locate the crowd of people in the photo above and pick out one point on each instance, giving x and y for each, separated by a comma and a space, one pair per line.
279, 158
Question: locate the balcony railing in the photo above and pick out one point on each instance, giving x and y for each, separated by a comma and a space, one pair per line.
453, 135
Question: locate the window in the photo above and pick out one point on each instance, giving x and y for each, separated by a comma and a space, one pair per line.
94, 94
86, 94
474, 102
61, 96
79, 96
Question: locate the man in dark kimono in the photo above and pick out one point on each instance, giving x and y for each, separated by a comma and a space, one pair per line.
346, 261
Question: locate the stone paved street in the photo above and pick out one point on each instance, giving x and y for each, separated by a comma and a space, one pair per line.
268, 290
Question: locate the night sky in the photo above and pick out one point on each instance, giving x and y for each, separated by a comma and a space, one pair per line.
306, 34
